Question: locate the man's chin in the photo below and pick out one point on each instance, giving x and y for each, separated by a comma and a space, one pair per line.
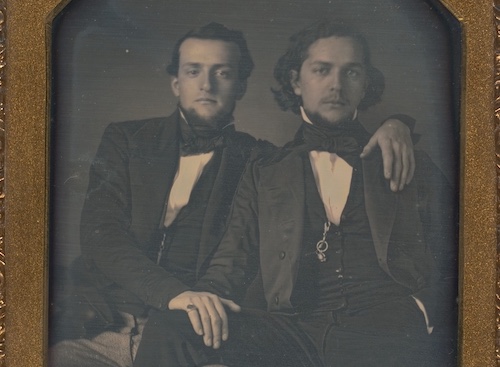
207, 122
329, 120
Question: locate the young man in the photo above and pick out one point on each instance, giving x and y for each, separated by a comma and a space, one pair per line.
159, 195
351, 273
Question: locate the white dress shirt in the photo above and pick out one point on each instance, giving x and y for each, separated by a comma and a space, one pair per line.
333, 177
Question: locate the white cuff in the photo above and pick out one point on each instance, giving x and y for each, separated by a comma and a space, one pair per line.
421, 306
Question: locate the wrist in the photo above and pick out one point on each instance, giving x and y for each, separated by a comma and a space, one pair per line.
405, 119
409, 121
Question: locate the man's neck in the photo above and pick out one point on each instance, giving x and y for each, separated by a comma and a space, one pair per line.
194, 124
325, 126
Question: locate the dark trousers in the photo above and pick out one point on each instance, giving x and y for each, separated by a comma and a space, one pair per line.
391, 334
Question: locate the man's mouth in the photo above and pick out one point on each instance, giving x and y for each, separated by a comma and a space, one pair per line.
335, 100
336, 103
204, 100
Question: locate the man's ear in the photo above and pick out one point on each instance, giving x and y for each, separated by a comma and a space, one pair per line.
241, 90
295, 82
174, 84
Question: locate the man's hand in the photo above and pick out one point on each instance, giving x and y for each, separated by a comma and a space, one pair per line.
394, 140
207, 315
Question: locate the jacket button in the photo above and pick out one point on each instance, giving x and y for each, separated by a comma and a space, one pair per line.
277, 300
282, 255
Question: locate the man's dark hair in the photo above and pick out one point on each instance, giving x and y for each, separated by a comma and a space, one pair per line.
297, 53
216, 31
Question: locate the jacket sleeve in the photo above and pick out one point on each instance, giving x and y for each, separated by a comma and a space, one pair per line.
107, 242
234, 264
438, 209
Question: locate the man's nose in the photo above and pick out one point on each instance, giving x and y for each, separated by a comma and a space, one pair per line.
207, 82
336, 80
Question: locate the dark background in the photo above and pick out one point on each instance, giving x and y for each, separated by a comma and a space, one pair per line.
109, 59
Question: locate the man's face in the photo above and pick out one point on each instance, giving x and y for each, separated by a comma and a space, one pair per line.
332, 80
207, 82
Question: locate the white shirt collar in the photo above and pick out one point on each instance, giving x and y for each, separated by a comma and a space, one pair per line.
186, 121
306, 119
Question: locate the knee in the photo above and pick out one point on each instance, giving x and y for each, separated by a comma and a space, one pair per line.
168, 323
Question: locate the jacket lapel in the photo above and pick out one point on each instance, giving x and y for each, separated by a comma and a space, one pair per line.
380, 204
281, 229
231, 167
152, 169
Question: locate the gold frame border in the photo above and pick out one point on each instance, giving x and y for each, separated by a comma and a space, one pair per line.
496, 11
24, 141
2, 180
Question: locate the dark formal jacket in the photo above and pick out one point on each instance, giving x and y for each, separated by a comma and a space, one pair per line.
414, 231
130, 180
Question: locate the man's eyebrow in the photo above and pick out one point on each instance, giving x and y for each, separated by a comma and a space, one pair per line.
356, 64
230, 66
327, 63
191, 64
215, 66
322, 63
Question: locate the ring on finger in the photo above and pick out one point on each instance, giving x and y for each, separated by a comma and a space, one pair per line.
191, 307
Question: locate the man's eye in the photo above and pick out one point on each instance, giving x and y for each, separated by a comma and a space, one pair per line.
321, 71
223, 73
354, 74
192, 72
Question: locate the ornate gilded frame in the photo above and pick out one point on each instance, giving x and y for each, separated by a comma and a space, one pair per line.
24, 141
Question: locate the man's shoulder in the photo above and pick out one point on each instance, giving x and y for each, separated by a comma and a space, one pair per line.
137, 124
240, 137
146, 135
270, 155
134, 127
248, 144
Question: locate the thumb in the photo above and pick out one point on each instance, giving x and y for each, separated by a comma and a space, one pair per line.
230, 304
369, 147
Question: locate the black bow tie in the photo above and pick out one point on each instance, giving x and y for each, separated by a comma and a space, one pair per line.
192, 144
341, 141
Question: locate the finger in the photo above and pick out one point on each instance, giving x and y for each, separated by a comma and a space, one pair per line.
230, 304
206, 321
372, 143
412, 167
221, 327
405, 168
387, 158
396, 172
194, 318
215, 321
215, 311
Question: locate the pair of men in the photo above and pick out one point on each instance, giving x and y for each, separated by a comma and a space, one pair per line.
160, 191
349, 272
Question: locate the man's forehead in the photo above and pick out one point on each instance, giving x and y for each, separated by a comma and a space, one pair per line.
200, 50
344, 48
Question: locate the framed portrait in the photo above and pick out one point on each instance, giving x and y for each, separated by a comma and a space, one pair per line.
69, 68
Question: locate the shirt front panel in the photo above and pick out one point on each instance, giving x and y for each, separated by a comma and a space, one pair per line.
182, 237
